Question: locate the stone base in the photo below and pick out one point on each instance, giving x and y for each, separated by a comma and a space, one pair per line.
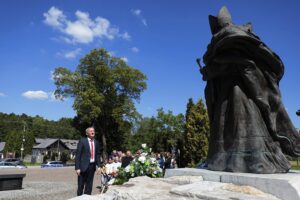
283, 186
178, 188
11, 181
220, 191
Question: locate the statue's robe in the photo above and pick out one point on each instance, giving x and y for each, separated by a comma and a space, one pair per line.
250, 128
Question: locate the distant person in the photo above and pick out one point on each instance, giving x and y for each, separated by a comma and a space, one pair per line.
126, 159
161, 160
86, 161
167, 163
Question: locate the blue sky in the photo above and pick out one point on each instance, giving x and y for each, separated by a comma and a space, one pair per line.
161, 38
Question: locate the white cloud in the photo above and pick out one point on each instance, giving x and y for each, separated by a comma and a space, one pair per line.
124, 59
138, 14
83, 29
125, 36
144, 22
69, 54
135, 49
2, 94
72, 54
39, 95
55, 18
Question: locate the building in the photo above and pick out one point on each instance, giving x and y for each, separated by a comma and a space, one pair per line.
72, 146
2, 145
50, 147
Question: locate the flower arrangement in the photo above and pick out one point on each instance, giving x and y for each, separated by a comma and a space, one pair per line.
143, 165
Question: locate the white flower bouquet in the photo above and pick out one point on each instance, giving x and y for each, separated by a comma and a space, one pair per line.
144, 165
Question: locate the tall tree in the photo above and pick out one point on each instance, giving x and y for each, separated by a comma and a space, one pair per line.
196, 133
162, 132
104, 89
171, 128
13, 142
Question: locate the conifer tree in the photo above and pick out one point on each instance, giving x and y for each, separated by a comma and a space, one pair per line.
196, 133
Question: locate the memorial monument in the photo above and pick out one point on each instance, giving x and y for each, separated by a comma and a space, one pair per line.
250, 128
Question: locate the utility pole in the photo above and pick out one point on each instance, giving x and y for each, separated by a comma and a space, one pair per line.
58, 152
23, 140
298, 114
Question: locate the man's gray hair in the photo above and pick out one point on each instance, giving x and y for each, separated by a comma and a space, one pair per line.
88, 128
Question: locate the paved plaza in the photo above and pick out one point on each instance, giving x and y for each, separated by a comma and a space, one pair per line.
45, 184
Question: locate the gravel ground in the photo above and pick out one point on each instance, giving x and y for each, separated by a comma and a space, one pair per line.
45, 184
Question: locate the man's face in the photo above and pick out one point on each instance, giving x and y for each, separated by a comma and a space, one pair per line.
91, 133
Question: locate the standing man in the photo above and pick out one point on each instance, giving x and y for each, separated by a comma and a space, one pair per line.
87, 159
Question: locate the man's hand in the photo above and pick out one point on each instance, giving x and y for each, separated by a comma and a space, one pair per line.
78, 172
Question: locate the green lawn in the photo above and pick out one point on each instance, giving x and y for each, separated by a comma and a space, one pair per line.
295, 164
295, 167
31, 164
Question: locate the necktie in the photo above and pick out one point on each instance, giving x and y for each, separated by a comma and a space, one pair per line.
92, 149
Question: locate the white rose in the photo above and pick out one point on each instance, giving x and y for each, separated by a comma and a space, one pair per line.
127, 169
144, 145
144, 154
142, 159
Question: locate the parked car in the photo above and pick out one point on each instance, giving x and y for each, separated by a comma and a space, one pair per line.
16, 161
51, 164
8, 165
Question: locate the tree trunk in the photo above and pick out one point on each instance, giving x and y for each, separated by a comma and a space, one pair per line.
104, 153
103, 139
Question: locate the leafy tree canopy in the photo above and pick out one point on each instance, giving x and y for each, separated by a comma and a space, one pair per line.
104, 89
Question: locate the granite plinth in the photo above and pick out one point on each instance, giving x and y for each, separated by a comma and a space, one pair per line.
284, 186
11, 181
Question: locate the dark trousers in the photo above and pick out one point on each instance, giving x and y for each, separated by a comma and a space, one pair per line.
85, 180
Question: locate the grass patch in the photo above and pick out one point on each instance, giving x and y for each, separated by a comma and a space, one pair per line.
295, 167
31, 164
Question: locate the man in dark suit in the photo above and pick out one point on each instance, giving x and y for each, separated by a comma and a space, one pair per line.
87, 159
126, 159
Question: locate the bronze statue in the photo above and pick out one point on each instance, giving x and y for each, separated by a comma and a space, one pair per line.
250, 128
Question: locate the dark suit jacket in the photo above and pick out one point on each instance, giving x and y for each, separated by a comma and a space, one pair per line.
126, 161
83, 154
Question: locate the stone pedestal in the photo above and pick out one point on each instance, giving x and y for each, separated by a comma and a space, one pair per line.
11, 181
283, 186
